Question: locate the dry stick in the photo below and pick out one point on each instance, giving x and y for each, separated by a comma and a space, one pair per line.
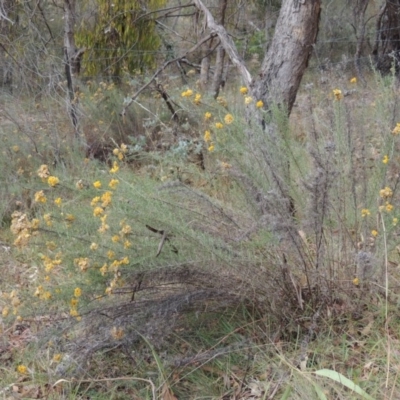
165, 65
226, 41
122, 378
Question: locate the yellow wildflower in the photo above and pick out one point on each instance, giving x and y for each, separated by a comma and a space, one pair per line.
47, 219
21, 369
228, 119
386, 192
248, 100
15, 149
57, 358
207, 136
396, 129
127, 244
218, 125
97, 184
115, 238
5, 311
78, 292
70, 218
353, 80
43, 171
82, 263
124, 148
73, 312
110, 254
385, 159
115, 168
98, 211
79, 185
46, 296
106, 198
40, 197
337, 93
53, 181
35, 223
94, 201
388, 207
260, 104
374, 233
365, 212
103, 269
207, 116
187, 93
356, 281
125, 230
116, 152
113, 183
58, 201
243, 90
197, 99
211, 148
94, 246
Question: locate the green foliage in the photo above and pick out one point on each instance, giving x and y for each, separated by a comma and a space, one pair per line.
122, 37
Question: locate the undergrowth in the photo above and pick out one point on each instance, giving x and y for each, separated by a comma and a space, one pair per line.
224, 260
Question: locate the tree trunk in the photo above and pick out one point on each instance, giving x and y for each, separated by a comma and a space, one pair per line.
287, 58
386, 51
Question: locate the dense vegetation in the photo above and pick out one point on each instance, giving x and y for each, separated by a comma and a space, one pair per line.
173, 250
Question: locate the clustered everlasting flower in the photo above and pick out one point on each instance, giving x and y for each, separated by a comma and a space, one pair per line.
53, 181
187, 93
396, 130
337, 93
365, 212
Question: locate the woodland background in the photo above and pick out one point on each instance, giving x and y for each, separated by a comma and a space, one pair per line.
178, 221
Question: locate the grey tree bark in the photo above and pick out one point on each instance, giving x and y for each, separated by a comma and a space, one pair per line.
287, 57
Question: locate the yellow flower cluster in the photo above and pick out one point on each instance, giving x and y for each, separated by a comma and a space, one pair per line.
82, 263
187, 93
243, 90
40, 197
207, 116
396, 130
120, 152
365, 212
385, 159
97, 184
113, 183
115, 168
104, 226
53, 181
228, 119
353, 80
197, 99
22, 228
42, 294
49, 263
43, 171
337, 93
386, 192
